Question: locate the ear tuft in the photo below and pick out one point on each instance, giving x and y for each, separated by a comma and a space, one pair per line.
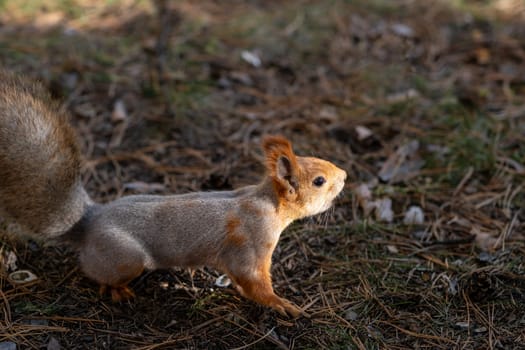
275, 148
282, 166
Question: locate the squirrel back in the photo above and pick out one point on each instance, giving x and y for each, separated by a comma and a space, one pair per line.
40, 184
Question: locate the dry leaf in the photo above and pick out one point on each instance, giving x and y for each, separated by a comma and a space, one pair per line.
414, 216
363, 195
402, 96
329, 113
363, 132
120, 117
252, 58
119, 112
8, 260
383, 210
402, 165
402, 30
392, 249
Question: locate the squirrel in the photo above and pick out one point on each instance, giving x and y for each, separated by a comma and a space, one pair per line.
234, 231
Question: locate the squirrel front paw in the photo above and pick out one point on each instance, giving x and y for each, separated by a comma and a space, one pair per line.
287, 308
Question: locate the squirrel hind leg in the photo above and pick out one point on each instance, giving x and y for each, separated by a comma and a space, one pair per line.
115, 279
120, 290
118, 293
112, 265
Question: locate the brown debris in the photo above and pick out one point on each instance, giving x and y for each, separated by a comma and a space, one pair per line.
413, 99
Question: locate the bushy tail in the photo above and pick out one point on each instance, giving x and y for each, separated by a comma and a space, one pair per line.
40, 185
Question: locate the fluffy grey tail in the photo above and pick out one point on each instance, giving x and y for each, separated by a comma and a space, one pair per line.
40, 185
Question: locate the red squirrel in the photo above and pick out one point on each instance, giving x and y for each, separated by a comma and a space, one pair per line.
234, 232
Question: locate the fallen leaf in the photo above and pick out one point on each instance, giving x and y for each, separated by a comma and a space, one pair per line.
383, 210
392, 249
402, 30
329, 113
251, 58
363, 132
414, 216
402, 165
120, 117
363, 195
9, 260
402, 96
462, 325
480, 330
119, 111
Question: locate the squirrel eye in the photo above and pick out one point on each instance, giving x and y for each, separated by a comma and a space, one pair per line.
319, 181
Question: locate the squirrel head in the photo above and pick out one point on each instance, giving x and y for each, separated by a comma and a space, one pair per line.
304, 186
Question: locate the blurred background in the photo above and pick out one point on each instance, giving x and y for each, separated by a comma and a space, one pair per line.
421, 102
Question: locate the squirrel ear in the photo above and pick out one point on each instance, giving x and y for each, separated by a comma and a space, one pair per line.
281, 164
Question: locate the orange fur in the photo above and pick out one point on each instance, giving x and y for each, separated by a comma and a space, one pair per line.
120, 290
259, 289
275, 147
232, 235
249, 207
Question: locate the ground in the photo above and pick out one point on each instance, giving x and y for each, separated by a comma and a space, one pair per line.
421, 102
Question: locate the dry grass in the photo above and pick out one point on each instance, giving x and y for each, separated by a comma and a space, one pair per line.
194, 110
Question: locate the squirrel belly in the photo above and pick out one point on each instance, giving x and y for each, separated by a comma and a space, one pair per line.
40, 185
